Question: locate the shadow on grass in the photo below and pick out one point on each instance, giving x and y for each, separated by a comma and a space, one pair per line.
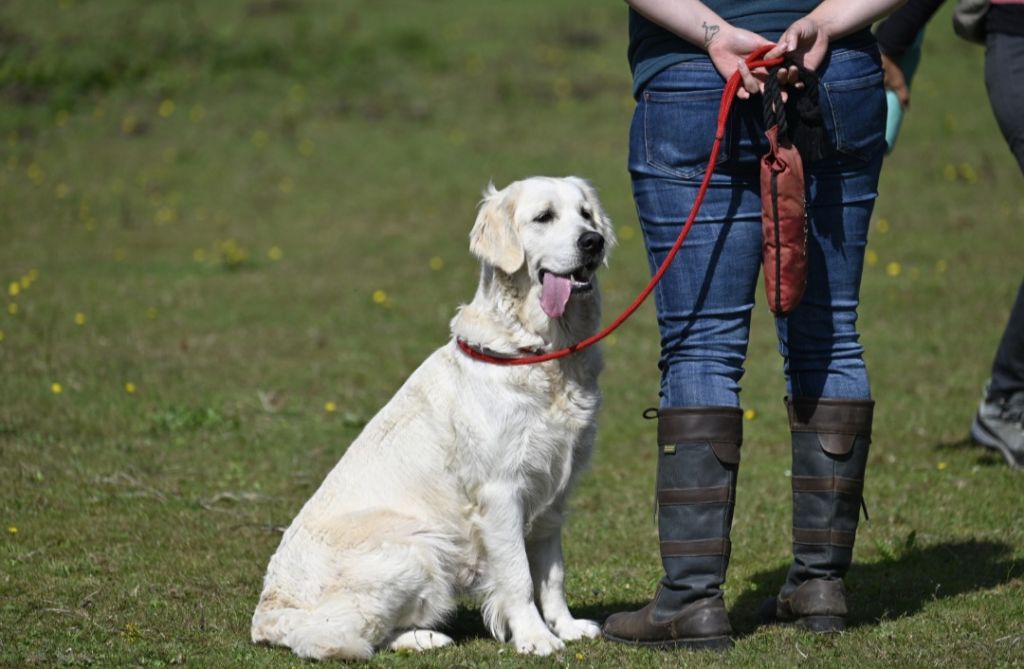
885, 590
985, 457
899, 586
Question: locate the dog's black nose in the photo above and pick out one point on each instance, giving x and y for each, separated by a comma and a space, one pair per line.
590, 243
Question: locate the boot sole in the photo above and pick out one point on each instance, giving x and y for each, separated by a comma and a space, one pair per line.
983, 436
716, 643
817, 624
821, 624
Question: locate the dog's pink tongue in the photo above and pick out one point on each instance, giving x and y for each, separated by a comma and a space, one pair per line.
554, 294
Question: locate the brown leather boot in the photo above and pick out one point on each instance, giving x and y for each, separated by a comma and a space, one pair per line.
830, 450
699, 454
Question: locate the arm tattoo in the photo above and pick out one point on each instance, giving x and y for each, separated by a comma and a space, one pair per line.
709, 33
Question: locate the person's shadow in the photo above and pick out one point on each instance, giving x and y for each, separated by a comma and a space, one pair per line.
892, 588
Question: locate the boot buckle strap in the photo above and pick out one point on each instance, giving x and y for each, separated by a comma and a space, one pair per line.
839, 484
679, 496
696, 547
823, 537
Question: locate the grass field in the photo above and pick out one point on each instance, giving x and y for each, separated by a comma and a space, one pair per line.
231, 229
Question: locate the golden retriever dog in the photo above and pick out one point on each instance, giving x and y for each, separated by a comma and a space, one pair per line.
459, 484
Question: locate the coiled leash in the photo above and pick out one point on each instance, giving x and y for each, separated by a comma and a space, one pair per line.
783, 192
753, 61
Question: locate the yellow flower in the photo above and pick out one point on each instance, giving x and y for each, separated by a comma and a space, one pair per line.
330, 407
12, 308
14, 288
457, 137
627, 232
871, 258
2, 335
166, 215
12, 530
437, 263
380, 296
893, 269
941, 466
79, 318
941, 266
197, 113
199, 255
166, 108
259, 139
33, 274
151, 313
285, 185
882, 225
275, 253
62, 191
35, 174
56, 388
129, 124
129, 388
750, 414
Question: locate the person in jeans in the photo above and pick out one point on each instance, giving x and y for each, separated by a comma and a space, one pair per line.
999, 421
681, 53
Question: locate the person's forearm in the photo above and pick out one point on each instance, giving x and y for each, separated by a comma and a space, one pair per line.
842, 17
690, 19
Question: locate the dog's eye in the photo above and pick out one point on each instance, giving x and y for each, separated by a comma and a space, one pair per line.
545, 216
585, 213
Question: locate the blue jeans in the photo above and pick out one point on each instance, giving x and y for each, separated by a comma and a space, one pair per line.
704, 301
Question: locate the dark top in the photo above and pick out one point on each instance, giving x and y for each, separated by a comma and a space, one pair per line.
1007, 19
897, 33
653, 48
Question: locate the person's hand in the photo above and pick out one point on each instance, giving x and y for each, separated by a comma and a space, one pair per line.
805, 43
729, 48
896, 81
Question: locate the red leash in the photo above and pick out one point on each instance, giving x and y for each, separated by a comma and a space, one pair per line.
723, 115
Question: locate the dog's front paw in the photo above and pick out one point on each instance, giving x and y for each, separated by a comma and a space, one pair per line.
573, 629
538, 643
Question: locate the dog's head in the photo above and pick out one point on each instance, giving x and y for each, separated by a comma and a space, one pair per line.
552, 230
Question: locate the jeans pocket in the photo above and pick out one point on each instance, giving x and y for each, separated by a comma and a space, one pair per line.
857, 108
679, 130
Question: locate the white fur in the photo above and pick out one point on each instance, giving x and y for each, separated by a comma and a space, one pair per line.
459, 484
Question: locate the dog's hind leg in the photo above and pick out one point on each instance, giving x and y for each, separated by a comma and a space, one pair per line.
419, 640
318, 634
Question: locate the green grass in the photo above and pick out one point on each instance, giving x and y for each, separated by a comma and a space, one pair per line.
220, 188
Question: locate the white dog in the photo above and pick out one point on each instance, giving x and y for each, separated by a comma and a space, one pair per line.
459, 484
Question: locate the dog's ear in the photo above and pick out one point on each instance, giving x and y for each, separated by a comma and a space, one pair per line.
602, 223
494, 238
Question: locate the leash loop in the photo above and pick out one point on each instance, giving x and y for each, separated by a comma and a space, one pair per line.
753, 61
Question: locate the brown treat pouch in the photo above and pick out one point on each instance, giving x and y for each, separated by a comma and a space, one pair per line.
784, 224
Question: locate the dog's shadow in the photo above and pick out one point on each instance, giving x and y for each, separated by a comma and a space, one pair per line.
885, 590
